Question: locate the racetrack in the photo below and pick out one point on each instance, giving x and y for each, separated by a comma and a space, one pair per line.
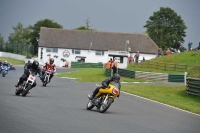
61, 108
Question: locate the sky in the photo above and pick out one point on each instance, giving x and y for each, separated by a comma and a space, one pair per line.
123, 16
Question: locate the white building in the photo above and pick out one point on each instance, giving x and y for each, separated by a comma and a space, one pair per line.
93, 46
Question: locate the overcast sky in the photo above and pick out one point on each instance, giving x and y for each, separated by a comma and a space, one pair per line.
126, 16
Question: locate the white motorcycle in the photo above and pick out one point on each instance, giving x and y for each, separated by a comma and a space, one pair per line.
26, 86
47, 76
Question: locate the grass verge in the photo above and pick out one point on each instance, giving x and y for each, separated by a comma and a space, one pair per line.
92, 75
12, 61
172, 95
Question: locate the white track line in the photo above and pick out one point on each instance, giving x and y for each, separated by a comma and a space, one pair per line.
160, 103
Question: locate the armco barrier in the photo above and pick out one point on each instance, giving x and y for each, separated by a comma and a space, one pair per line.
149, 75
126, 73
193, 86
176, 78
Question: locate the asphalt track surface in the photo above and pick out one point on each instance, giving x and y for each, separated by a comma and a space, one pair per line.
61, 108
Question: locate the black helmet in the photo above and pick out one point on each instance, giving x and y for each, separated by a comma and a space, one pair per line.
116, 77
51, 61
35, 64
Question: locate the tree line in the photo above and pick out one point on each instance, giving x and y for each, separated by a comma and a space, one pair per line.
165, 27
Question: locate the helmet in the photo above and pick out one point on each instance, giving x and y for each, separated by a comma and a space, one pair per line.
35, 64
116, 77
29, 61
5, 61
51, 61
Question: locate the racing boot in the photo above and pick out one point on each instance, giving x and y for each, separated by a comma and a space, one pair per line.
94, 93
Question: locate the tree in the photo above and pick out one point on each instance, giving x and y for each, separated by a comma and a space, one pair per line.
1, 39
20, 35
1, 42
87, 27
36, 30
166, 28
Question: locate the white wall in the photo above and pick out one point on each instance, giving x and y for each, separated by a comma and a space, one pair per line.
90, 57
11, 55
146, 56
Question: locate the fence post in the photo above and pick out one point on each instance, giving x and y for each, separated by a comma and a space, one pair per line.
185, 77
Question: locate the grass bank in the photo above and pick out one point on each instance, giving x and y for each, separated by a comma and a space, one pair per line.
12, 61
190, 58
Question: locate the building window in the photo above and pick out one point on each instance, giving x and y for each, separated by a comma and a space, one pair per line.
75, 51
53, 50
100, 53
119, 59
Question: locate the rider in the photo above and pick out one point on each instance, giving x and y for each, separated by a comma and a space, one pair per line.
105, 83
47, 66
5, 63
26, 65
32, 67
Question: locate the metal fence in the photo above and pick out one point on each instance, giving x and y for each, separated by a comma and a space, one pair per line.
193, 86
162, 66
16, 48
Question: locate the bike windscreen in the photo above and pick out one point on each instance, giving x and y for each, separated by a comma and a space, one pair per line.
117, 85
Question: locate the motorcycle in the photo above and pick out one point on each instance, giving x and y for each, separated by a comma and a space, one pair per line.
104, 98
12, 67
4, 70
26, 86
47, 76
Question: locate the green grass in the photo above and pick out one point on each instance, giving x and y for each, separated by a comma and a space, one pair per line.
92, 75
12, 61
190, 58
172, 95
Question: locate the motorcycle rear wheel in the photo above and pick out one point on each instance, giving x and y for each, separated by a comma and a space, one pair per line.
89, 105
104, 106
25, 92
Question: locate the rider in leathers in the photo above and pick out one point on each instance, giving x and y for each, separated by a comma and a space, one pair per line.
47, 66
105, 83
25, 66
32, 67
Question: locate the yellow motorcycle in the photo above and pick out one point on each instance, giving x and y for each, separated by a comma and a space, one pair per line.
104, 98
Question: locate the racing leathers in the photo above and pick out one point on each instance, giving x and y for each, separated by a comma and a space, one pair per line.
30, 69
104, 84
45, 68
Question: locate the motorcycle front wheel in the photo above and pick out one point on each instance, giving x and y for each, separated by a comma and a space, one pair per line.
25, 92
104, 106
89, 105
18, 91
4, 73
44, 83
